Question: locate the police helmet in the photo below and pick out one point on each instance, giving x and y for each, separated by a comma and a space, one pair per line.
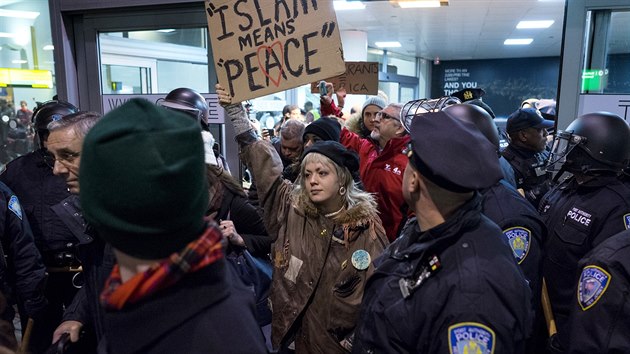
188, 101
424, 105
47, 112
594, 142
477, 116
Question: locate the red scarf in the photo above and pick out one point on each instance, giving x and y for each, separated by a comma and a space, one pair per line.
199, 253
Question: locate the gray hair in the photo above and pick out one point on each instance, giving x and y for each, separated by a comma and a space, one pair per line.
81, 122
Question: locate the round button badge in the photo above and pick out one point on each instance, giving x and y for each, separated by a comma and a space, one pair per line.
361, 259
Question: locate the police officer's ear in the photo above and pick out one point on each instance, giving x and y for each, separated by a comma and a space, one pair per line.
522, 135
412, 183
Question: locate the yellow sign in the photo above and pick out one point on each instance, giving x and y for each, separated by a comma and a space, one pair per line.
24, 77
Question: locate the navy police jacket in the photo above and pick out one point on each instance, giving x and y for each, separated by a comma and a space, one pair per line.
522, 227
579, 216
23, 270
600, 311
452, 289
39, 189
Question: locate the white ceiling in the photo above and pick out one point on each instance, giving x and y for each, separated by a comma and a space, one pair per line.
463, 30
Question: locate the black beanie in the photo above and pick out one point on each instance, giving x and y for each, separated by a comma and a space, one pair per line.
143, 183
325, 128
336, 152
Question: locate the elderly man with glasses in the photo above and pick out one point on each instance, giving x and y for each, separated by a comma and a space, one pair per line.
84, 314
382, 164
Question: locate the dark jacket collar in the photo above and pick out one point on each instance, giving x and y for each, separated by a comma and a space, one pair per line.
440, 237
144, 323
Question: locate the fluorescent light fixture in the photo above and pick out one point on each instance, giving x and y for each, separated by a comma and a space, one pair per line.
31, 15
6, 35
535, 24
348, 5
49, 47
19, 61
388, 44
167, 30
518, 41
418, 4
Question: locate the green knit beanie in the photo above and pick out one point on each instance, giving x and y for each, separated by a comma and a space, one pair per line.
143, 183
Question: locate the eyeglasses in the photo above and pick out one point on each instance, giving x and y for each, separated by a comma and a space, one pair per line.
383, 115
66, 158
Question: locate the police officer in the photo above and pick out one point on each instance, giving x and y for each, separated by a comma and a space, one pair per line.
22, 273
587, 208
31, 178
527, 152
193, 104
520, 222
449, 283
599, 320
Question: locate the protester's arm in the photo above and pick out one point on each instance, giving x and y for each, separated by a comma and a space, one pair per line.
351, 140
263, 162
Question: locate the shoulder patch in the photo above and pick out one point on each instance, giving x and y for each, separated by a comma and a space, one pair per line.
593, 283
626, 221
14, 206
471, 337
519, 239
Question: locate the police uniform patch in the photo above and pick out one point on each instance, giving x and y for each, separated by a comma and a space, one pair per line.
519, 239
580, 218
626, 221
14, 206
593, 284
471, 337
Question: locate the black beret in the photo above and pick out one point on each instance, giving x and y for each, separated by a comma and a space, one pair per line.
453, 154
336, 152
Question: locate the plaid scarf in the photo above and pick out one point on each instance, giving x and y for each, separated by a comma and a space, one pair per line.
198, 254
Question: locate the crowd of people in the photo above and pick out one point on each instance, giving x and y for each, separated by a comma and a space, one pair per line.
396, 230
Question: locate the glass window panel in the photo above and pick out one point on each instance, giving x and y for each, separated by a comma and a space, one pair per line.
164, 59
607, 57
26, 50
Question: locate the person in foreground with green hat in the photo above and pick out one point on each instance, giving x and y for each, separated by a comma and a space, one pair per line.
144, 190
325, 231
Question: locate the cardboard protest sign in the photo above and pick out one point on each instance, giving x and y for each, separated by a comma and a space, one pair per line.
264, 46
360, 78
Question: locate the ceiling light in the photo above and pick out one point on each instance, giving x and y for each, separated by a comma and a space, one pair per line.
6, 35
19, 61
388, 44
419, 4
49, 47
19, 14
535, 24
518, 41
167, 30
348, 5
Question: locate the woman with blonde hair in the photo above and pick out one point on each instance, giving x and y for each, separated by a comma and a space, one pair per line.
326, 233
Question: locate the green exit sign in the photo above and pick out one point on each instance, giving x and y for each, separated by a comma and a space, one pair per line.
594, 79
